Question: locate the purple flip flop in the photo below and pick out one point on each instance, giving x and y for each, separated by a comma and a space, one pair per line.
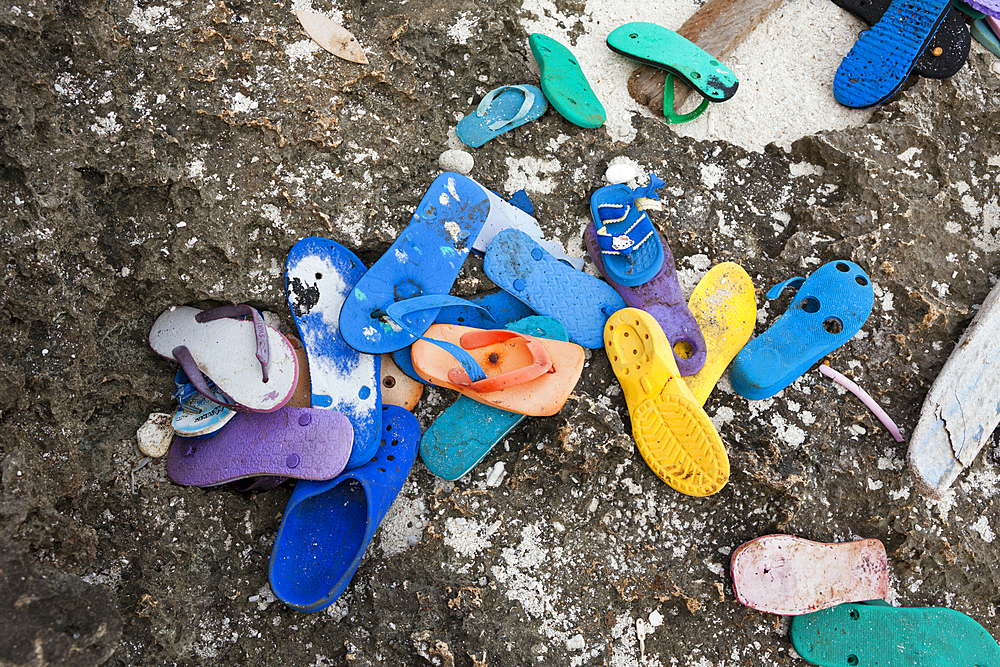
302, 443
662, 298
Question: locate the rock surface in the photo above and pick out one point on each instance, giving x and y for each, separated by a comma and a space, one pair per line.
155, 154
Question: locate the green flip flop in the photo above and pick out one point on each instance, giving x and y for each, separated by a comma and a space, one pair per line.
564, 83
664, 49
875, 634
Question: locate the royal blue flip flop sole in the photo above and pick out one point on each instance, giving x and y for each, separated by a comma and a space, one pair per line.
328, 525
581, 302
423, 261
884, 55
319, 274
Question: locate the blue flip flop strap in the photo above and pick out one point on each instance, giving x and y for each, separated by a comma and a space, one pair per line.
400, 309
639, 232
776, 291
484, 106
649, 191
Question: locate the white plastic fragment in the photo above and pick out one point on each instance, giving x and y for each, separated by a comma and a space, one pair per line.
155, 435
456, 160
495, 475
655, 619
620, 173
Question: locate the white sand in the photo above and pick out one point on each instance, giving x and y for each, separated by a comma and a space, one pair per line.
785, 68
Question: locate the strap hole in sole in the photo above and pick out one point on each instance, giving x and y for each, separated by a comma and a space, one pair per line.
833, 325
843, 268
852, 659
810, 304
861, 280
389, 382
854, 614
683, 349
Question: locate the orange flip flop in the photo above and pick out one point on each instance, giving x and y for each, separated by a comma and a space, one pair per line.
524, 374
397, 387
302, 396
672, 431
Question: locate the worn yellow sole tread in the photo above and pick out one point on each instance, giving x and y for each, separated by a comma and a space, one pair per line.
672, 432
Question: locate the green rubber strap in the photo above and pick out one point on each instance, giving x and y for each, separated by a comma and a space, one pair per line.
668, 104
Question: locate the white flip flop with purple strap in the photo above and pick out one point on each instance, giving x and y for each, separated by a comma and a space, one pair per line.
252, 363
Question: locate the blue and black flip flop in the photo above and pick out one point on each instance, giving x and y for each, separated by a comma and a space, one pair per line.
827, 310
882, 58
422, 263
328, 525
319, 274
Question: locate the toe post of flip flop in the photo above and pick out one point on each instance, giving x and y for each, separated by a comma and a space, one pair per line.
789, 575
827, 310
672, 432
250, 362
328, 525
502, 110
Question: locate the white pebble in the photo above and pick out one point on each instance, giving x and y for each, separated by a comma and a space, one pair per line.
155, 435
655, 619
456, 160
620, 173
495, 475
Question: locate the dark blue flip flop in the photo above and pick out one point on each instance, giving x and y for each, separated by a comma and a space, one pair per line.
328, 525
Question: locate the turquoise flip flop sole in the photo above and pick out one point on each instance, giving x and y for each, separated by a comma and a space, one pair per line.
870, 635
564, 83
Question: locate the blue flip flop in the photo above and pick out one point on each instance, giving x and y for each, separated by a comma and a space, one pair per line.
198, 416
581, 302
319, 274
502, 110
882, 58
422, 263
828, 309
983, 34
467, 430
501, 309
328, 525
630, 246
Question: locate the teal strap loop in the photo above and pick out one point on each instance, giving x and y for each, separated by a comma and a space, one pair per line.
668, 104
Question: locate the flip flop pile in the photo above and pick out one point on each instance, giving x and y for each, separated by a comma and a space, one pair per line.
835, 595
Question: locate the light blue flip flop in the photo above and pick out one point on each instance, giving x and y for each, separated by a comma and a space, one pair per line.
466, 431
197, 416
319, 274
983, 34
827, 310
421, 264
583, 303
328, 525
502, 110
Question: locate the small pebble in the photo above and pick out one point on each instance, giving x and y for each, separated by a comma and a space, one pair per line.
155, 435
456, 160
619, 173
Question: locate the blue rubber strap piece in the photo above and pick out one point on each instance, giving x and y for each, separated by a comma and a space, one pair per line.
776, 291
521, 200
484, 106
649, 191
400, 309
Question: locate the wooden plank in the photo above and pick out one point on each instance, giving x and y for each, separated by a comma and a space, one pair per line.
718, 27
963, 406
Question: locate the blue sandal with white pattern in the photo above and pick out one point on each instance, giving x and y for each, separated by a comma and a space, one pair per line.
630, 246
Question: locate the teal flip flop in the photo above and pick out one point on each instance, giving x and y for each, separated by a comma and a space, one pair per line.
468, 430
982, 33
328, 525
664, 49
565, 84
874, 634
502, 110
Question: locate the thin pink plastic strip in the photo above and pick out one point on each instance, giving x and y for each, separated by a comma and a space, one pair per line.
865, 398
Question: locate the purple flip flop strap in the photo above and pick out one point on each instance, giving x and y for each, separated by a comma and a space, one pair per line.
302, 443
183, 355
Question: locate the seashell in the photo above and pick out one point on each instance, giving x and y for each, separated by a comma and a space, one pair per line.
620, 173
